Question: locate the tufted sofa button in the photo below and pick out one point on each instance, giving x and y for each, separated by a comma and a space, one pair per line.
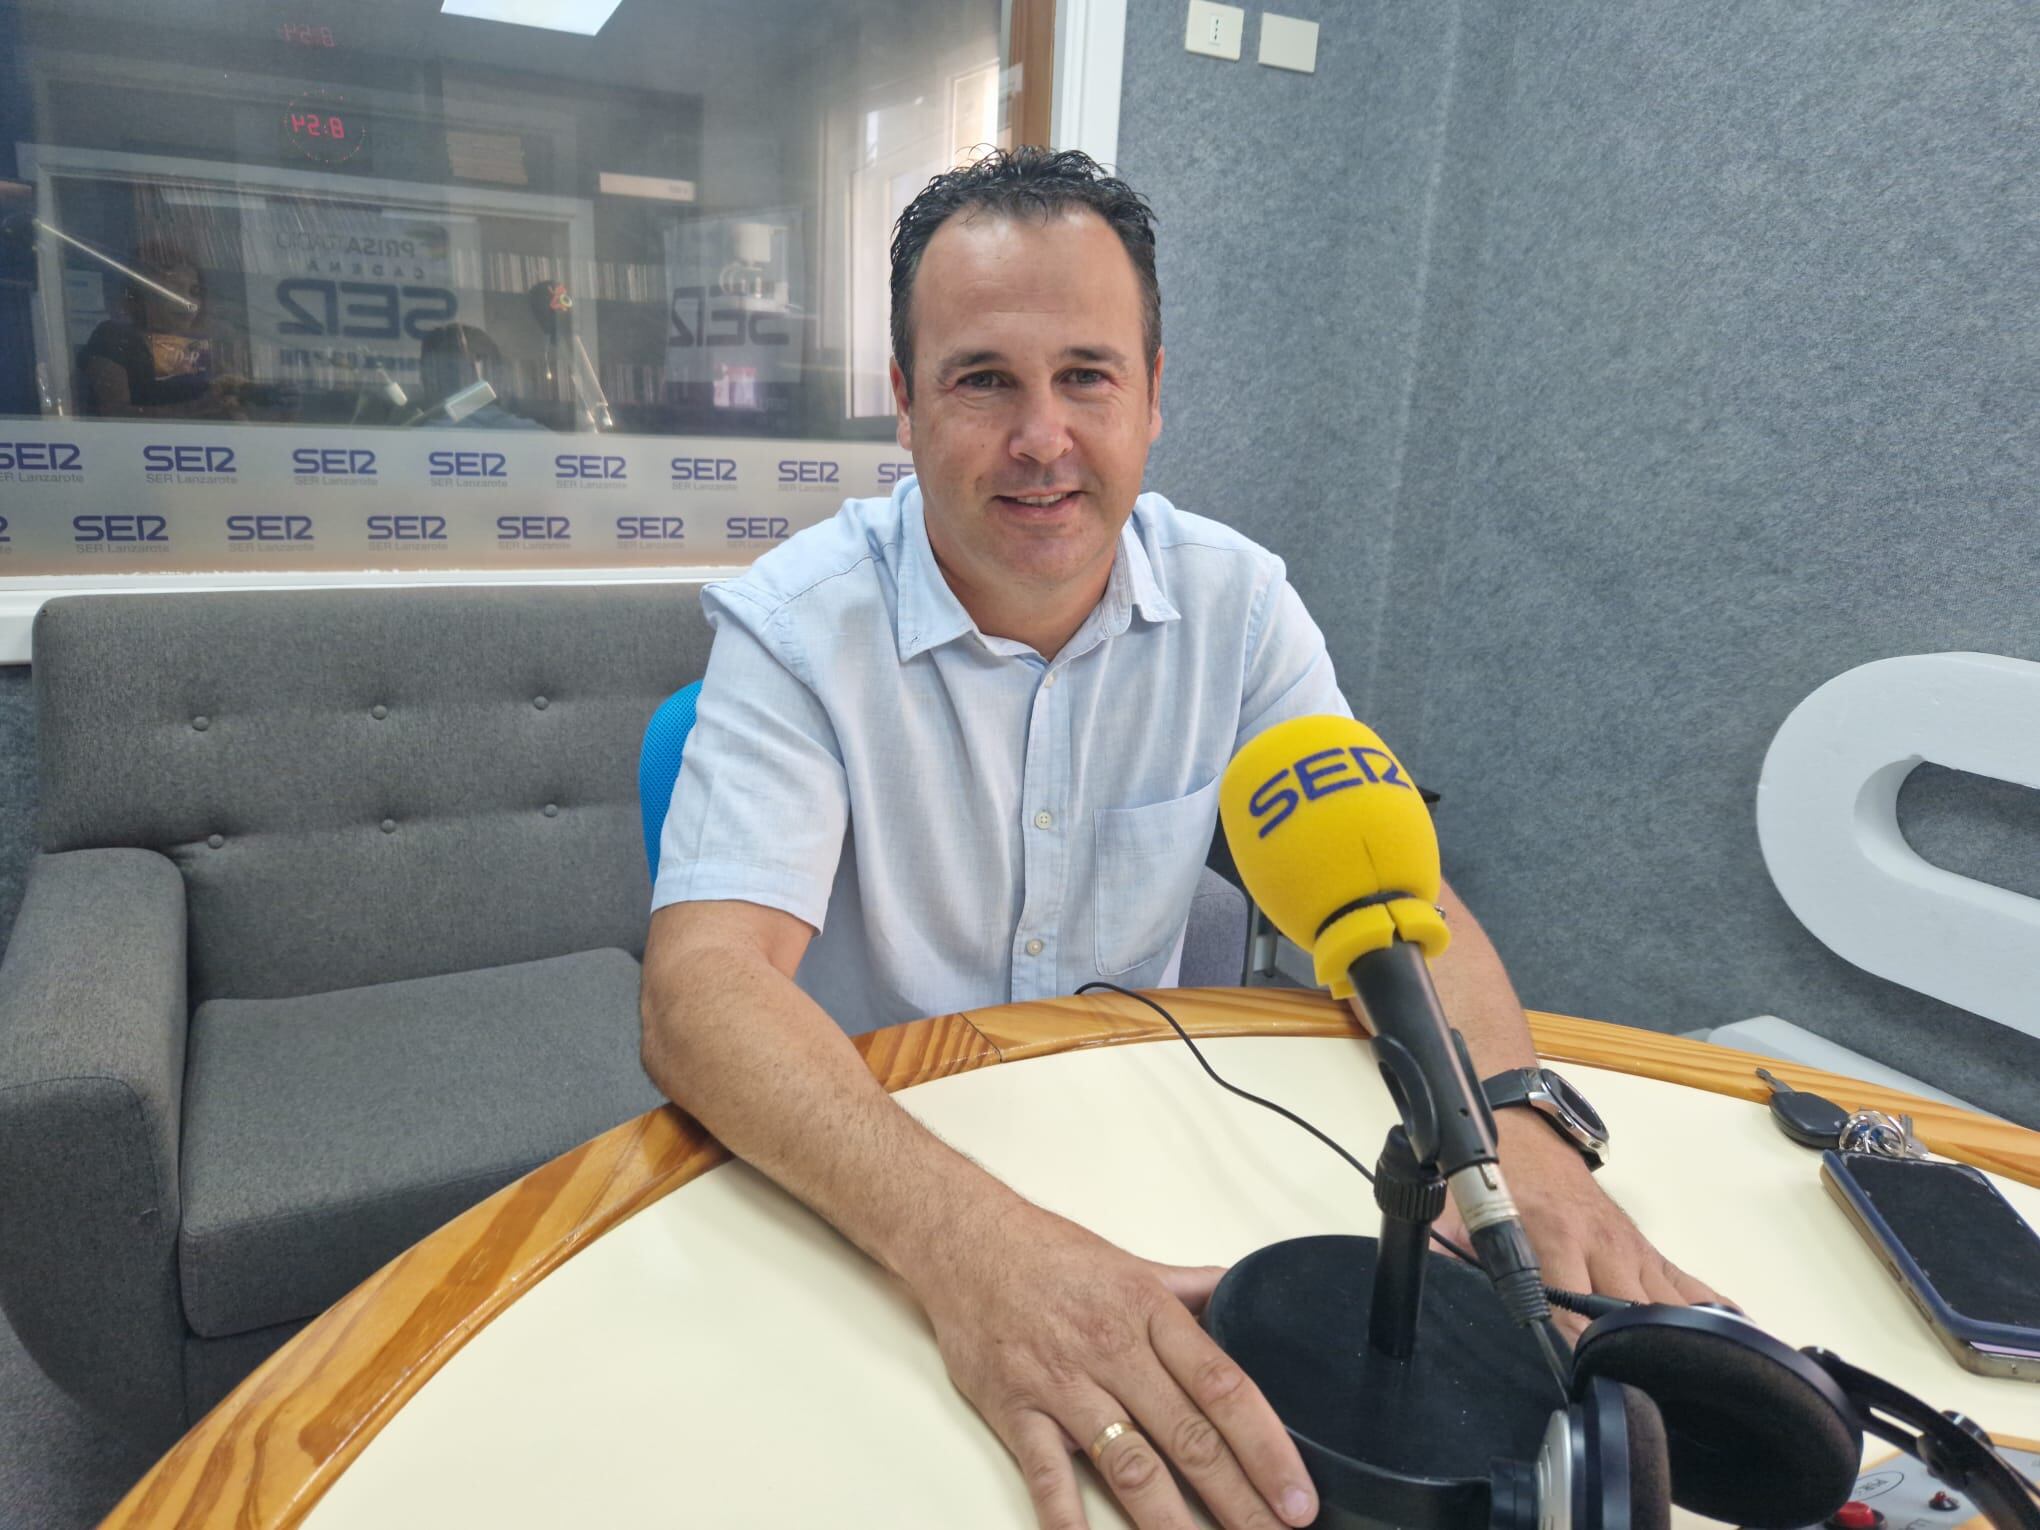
201, 723
540, 702
389, 826
378, 711
552, 810
214, 840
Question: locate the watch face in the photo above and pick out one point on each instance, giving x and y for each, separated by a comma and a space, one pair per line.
1574, 1104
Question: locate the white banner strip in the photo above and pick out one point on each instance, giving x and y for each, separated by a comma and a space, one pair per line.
99, 497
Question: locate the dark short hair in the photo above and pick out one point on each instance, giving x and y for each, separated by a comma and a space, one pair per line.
1024, 183
461, 342
448, 355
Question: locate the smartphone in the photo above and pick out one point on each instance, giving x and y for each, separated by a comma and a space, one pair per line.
1965, 1256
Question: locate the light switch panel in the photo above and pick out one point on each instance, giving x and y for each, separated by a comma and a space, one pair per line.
1287, 43
1215, 29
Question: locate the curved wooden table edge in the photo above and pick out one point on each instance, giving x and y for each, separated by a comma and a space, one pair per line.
279, 1441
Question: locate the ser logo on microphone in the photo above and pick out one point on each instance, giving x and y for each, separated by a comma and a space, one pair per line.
1319, 775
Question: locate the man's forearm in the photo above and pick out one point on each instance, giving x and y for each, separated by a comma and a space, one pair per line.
1477, 995
739, 1047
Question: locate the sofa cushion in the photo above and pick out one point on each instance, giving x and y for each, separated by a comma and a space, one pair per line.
324, 1135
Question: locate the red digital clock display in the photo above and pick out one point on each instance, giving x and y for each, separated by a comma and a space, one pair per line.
324, 128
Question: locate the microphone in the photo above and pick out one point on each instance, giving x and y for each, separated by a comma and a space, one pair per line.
392, 391
549, 302
1336, 845
457, 405
552, 308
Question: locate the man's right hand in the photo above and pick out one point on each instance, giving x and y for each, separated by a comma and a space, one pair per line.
1051, 1332
1055, 1334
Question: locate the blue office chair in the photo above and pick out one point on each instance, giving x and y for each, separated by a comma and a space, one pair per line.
658, 765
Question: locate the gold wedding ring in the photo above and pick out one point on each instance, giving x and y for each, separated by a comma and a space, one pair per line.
1107, 1435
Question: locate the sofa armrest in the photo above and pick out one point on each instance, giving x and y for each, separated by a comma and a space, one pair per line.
93, 1017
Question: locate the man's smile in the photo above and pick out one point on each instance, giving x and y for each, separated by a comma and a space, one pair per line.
1039, 504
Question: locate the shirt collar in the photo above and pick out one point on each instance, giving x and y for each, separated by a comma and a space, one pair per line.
931, 615
1145, 588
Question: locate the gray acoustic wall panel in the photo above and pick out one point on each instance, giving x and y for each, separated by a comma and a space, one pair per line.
1294, 214
1716, 377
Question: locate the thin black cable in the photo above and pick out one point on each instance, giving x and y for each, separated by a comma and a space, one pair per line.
1581, 1303
1585, 1304
1558, 1354
1283, 1111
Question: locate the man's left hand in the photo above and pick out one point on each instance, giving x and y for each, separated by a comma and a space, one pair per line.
1584, 1241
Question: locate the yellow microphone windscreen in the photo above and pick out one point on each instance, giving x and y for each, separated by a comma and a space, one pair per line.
1334, 842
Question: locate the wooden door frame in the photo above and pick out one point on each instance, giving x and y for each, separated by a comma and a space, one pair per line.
1030, 63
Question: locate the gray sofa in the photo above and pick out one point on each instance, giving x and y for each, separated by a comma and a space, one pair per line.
334, 930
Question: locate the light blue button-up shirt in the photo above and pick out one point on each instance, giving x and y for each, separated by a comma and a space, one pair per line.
963, 822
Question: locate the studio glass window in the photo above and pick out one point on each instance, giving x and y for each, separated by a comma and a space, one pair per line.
487, 283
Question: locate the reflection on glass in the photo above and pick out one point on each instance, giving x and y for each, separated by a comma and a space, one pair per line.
677, 226
152, 355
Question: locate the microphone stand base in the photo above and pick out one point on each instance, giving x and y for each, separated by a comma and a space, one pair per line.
1388, 1442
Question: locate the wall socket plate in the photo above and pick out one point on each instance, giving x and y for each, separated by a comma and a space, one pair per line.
1288, 42
1215, 30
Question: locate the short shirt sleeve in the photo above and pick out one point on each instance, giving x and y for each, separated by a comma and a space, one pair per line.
760, 805
1289, 671
123, 346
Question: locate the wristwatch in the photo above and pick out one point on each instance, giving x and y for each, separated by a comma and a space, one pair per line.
1558, 1102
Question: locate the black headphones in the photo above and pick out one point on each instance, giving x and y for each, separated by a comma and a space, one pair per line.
1697, 1406
1660, 1405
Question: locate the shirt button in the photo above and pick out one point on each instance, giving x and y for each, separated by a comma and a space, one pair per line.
1034, 947
1044, 819
1048, 680
389, 826
378, 711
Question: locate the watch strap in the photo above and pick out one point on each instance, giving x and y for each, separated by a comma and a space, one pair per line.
1511, 1087
1515, 1086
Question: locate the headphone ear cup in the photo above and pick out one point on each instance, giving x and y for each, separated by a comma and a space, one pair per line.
1650, 1468
1615, 1475
1755, 1433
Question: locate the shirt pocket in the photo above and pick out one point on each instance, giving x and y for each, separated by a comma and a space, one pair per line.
1149, 860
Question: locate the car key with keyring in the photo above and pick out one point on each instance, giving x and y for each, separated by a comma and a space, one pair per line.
1814, 1121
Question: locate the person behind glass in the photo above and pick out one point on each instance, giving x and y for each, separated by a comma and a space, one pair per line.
458, 369
153, 358
919, 720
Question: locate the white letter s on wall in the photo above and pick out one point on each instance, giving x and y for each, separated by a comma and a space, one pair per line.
1827, 820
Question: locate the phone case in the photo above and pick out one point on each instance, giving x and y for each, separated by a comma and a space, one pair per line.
1990, 1349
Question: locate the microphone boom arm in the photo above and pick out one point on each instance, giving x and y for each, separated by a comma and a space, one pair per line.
176, 299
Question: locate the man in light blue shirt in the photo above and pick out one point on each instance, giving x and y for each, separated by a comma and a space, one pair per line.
962, 746
1017, 825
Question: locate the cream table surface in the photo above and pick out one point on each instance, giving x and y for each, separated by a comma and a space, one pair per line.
635, 1333
724, 1358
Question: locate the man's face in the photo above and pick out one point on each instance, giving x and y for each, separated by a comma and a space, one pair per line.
1033, 409
159, 312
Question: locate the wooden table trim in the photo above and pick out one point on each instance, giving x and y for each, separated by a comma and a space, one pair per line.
273, 1447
